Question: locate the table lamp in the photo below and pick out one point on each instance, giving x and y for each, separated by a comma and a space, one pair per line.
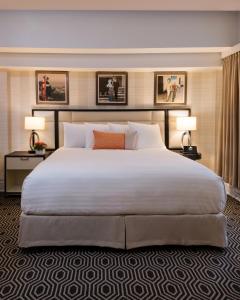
34, 123
186, 124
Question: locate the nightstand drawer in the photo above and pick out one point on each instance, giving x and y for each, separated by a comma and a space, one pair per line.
23, 163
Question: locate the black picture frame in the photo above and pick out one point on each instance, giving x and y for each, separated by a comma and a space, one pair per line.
170, 88
107, 93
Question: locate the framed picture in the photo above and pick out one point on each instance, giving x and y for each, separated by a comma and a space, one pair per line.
52, 87
170, 88
112, 88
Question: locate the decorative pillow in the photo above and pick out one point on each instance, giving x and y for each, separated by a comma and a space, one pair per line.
118, 127
108, 140
74, 135
149, 135
131, 139
89, 132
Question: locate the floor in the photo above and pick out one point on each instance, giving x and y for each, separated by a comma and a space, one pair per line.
97, 273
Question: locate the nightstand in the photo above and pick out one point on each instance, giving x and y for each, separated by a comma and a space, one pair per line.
17, 165
195, 156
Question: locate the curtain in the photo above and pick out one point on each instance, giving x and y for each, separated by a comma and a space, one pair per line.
228, 148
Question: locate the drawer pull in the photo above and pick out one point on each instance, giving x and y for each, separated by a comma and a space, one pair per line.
24, 158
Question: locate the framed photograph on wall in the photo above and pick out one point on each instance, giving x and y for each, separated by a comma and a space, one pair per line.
170, 88
112, 88
52, 87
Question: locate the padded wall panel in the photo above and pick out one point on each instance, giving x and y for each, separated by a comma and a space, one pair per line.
111, 116
159, 117
65, 116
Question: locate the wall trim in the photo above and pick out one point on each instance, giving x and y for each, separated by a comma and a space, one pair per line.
114, 50
134, 5
231, 51
103, 61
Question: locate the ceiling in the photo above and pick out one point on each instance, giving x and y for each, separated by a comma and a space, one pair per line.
161, 5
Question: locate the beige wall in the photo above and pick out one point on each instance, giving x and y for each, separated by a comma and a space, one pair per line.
83, 91
17, 96
4, 122
204, 94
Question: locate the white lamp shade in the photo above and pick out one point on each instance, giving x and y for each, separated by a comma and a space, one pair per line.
34, 123
186, 123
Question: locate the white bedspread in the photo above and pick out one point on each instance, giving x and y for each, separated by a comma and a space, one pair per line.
74, 181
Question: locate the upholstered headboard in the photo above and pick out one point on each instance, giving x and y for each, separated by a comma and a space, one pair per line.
165, 117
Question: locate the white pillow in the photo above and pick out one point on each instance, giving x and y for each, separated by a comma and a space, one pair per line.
74, 135
130, 134
118, 127
149, 135
89, 132
131, 138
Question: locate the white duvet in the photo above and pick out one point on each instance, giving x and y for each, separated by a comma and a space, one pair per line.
75, 181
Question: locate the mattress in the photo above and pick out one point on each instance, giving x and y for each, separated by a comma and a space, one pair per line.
77, 181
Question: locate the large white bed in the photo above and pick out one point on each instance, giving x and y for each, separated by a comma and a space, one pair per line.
122, 199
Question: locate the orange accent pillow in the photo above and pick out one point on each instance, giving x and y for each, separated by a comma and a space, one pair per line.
108, 140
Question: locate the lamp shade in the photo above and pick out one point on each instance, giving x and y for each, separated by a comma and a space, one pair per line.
186, 123
34, 123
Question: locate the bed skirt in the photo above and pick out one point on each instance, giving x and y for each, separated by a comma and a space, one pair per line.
123, 232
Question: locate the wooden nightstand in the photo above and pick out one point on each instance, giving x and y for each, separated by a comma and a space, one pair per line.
195, 156
17, 165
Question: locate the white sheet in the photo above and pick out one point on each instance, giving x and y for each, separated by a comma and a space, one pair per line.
74, 181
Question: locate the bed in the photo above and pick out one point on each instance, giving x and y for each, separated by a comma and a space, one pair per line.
122, 199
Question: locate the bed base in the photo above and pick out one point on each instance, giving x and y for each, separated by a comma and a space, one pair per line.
123, 232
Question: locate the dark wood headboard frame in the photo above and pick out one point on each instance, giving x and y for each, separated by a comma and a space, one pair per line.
69, 109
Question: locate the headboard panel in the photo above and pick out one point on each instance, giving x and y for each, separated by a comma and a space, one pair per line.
165, 117
113, 116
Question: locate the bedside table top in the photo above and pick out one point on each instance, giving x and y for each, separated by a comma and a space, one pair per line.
26, 154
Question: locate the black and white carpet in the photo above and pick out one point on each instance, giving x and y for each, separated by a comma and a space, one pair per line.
94, 273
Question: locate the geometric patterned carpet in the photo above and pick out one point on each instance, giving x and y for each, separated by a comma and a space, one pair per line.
52, 273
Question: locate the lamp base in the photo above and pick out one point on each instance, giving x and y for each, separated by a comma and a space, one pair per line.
186, 133
33, 135
189, 149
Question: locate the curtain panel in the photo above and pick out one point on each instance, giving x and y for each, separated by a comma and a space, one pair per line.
228, 148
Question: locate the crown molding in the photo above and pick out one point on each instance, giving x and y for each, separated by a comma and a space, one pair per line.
24, 50
124, 5
231, 51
